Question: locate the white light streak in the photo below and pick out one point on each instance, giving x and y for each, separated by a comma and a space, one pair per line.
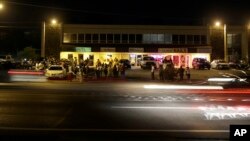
188, 87
222, 79
149, 107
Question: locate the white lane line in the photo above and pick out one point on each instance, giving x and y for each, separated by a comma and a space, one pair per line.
165, 108
114, 130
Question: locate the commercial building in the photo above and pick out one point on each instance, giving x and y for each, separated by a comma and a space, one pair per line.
180, 43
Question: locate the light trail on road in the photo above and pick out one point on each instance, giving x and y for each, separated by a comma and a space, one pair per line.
183, 87
224, 91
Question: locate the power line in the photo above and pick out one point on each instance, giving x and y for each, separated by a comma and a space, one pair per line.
70, 10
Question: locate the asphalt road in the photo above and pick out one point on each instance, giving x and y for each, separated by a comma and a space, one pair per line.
124, 111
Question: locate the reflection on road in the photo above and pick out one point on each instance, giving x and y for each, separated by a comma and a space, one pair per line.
221, 112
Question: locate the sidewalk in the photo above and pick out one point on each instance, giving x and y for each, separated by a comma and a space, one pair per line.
139, 75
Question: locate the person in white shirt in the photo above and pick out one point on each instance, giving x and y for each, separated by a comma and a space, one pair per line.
152, 72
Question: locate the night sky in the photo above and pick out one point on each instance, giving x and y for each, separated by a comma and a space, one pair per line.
127, 11
21, 20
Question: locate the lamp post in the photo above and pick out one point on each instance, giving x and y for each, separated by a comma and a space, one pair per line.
53, 22
225, 43
218, 24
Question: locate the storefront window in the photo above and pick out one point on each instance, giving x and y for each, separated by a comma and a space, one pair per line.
103, 38
176, 60
80, 38
91, 60
203, 39
182, 39
131, 38
69, 38
146, 38
95, 38
88, 38
124, 38
190, 39
110, 38
167, 38
117, 38
196, 39
138, 38
175, 39
70, 56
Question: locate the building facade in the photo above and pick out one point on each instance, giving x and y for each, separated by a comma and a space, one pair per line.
180, 43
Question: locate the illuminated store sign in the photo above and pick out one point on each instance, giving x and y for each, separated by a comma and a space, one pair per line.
107, 49
136, 49
83, 49
172, 50
204, 50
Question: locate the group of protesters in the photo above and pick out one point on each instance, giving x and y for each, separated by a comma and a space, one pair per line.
109, 69
168, 72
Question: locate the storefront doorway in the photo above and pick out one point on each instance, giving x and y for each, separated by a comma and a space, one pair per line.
135, 59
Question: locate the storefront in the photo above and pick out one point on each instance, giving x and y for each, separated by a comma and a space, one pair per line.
184, 59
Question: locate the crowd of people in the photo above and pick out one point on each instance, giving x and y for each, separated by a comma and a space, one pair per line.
167, 71
109, 68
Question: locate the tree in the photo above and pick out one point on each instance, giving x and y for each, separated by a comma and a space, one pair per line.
28, 52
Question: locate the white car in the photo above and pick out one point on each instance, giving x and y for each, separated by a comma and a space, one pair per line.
219, 64
55, 71
147, 62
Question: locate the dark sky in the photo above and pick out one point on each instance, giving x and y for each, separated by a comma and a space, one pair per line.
127, 11
22, 18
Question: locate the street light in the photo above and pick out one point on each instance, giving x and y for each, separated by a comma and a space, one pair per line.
53, 22
1, 6
218, 24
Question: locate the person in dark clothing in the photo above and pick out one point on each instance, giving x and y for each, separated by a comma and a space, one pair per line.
122, 69
161, 71
188, 74
181, 72
115, 72
105, 70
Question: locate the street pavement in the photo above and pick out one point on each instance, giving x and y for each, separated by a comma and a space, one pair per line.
136, 74
119, 111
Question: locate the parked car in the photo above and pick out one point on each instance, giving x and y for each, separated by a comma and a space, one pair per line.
6, 58
219, 64
147, 62
125, 62
241, 64
55, 71
201, 63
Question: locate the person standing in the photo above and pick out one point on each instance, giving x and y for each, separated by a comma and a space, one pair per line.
152, 72
161, 72
105, 70
181, 72
188, 73
122, 69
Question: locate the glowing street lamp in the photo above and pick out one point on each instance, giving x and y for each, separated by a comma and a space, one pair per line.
218, 24
53, 22
1, 6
